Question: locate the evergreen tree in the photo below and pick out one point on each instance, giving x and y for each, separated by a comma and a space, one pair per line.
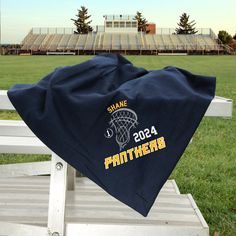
234, 36
224, 37
186, 27
142, 22
82, 22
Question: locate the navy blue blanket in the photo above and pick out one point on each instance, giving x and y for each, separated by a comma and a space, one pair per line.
123, 127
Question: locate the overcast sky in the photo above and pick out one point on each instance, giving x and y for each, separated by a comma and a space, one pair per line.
19, 16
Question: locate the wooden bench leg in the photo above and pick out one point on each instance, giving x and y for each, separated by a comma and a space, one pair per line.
57, 196
71, 178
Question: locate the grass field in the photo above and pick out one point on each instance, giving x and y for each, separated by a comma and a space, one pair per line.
207, 170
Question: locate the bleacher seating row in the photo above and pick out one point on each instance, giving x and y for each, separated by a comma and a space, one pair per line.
118, 41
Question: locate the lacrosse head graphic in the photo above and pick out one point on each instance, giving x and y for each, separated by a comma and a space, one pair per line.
122, 121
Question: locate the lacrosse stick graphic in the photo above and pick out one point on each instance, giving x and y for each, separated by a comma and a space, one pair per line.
122, 121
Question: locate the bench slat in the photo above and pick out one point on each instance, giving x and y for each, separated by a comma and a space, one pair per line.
25, 169
22, 145
219, 106
5, 103
20, 229
169, 211
15, 128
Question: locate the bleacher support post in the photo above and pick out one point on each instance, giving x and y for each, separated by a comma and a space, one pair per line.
71, 178
57, 196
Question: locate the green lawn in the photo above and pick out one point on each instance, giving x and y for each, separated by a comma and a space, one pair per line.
207, 170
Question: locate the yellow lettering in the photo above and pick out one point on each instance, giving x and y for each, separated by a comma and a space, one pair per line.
117, 105
109, 110
130, 152
116, 160
161, 143
123, 157
138, 151
145, 149
121, 103
153, 145
113, 107
107, 162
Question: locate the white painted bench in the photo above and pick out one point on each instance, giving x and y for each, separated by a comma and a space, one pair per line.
86, 209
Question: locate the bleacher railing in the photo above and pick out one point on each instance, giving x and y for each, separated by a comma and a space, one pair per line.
201, 31
101, 28
49, 30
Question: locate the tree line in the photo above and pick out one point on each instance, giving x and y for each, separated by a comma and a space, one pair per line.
82, 23
184, 26
226, 38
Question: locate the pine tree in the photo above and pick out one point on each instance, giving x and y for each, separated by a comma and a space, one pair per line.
82, 22
186, 27
234, 37
224, 37
142, 22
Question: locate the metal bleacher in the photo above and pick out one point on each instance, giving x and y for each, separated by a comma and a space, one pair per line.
140, 41
63, 42
89, 41
38, 41
133, 41
107, 41
55, 41
46, 42
167, 42
150, 42
124, 41
72, 42
29, 42
177, 41
81, 41
163, 41
116, 41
